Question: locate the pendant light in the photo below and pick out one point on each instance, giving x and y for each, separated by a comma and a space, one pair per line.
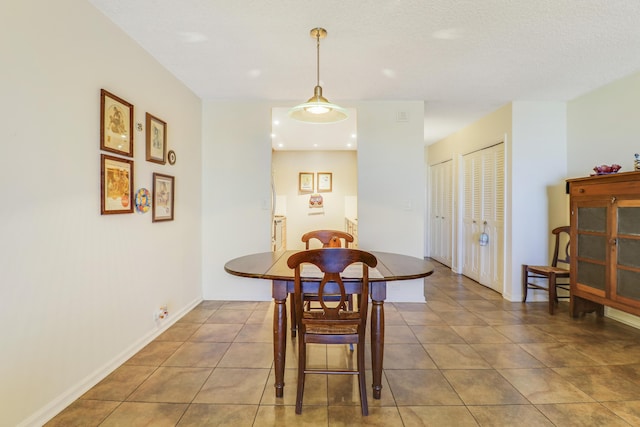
318, 109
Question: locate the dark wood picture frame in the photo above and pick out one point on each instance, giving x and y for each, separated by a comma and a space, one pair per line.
156, 139
325, 182
116, 124
305, 182
116, 185
163, 197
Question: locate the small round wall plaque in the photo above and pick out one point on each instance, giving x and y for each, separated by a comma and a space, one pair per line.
172, 157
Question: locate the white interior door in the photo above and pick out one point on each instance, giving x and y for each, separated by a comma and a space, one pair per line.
483, 212
441, 210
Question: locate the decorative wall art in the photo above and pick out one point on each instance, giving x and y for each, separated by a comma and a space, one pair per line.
316, 201
163, 197
156, 140
116, 124
305, 182
325, 183
171, 157
116, 185
142, 200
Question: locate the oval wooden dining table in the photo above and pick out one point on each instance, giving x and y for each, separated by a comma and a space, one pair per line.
273, 266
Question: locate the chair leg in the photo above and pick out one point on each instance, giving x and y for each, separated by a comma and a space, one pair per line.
525, 282
552, 292
302, 365
294, 323
362, 381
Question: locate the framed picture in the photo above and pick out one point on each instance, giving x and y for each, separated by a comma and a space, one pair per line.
163, 196
325, 181
156, 140
305, 182
116, 124
116, 185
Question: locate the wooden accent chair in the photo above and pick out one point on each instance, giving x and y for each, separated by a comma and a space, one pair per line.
334, 323
329, 239
550, 273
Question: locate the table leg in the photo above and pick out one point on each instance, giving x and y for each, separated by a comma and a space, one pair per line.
279, 291
377, 345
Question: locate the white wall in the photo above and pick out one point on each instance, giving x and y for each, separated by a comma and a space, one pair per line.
78, 290
286, 166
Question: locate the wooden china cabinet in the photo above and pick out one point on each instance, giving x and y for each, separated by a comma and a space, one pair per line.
605, 243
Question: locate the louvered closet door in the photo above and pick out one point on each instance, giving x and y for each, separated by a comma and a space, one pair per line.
484, 212
440, 224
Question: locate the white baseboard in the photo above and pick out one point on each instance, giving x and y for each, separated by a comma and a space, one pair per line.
622, 317
54, 407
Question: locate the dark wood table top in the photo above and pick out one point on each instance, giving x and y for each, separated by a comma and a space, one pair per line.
273, 266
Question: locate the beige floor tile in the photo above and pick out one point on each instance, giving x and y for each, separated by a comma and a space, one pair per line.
581, 414
197, 315
83, 413
198, 354
426, 317
455, 356
421, 387
180, 331
614, 353
407, 356
240, 305
524, 334
558, 354
437, 335
506, 356
229, 316
480, 334
544, 386
213, 332
120, 383
248, 355
145, 414
255, 332
461, 318
315, 390
395, 334
340, 416
154, 353
311, 416
172, 385
260, 317
628, 411
200, 414
602, 383
509, 416
234, 386
483, 387
436, 416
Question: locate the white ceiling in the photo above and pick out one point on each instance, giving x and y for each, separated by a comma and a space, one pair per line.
463, 58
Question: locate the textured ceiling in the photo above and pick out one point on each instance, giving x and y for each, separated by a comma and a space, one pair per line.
463, 58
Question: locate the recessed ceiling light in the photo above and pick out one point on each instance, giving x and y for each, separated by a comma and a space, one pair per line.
273, 135
276, 122
353, 135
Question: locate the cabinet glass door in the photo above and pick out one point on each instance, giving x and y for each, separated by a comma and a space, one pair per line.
628, 250
592, 247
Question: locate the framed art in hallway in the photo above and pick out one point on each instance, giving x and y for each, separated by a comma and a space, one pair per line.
116, 185
163, 197
116, 124
325, 182
156, 140
305, 182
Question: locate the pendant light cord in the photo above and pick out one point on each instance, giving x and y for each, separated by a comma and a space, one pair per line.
318, 58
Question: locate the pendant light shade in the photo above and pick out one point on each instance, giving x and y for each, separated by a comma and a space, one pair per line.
318, 109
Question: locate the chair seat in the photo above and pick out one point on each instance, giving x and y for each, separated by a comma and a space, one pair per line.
547, 269
311, 318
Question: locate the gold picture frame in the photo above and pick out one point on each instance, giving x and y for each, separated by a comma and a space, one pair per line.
163, 197
156, 139
116, 124
116, 185
305, 182
325, 182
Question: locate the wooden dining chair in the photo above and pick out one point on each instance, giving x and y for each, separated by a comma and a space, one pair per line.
334, 323
535, 276
328, 239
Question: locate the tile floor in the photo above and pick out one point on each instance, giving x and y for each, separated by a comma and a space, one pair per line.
465, 358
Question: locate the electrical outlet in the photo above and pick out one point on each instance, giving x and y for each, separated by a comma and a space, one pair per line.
161, 314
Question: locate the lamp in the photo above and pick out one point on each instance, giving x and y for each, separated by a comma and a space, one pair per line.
318, 109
